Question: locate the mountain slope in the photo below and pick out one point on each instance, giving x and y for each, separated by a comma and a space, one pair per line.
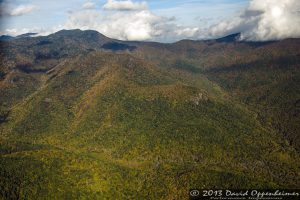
117, 125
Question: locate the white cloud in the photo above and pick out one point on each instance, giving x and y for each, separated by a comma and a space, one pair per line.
89, 5
125, 5
83, 19
264, 20
22, 10
132, 26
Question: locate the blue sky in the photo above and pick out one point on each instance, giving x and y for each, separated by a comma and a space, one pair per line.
189, 12
142, 20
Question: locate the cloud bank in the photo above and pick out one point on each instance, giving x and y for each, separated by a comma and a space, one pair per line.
264, 20
137, 23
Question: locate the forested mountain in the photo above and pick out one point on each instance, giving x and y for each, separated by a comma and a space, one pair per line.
84, 116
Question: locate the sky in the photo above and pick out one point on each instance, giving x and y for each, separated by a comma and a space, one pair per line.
155, 20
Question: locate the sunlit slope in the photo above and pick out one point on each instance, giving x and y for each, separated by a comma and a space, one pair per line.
25, 63
109, 125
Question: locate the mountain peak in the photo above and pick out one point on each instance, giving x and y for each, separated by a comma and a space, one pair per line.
78, 32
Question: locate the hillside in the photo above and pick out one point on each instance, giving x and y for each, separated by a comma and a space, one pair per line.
263, 76
87, 117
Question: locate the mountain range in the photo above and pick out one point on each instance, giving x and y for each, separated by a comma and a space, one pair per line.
83, 116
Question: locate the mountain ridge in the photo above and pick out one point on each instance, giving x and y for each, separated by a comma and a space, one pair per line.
234, 37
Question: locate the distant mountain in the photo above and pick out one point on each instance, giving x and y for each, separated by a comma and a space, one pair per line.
6, 38
230, 38
9, 38
86, 116
27, 35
